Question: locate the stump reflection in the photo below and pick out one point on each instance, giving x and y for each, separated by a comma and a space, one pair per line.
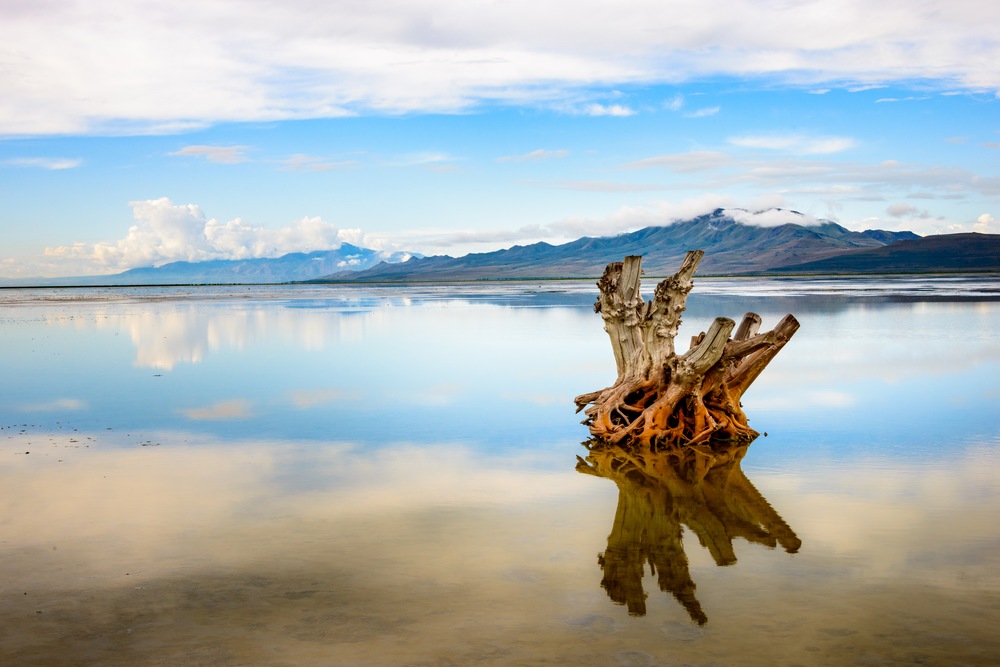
658, 494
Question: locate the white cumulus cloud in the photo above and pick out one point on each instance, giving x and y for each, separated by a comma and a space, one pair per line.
50, 163
986, 224
219, 154
166, 232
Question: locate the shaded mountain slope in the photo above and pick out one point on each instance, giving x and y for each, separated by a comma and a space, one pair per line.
945, 252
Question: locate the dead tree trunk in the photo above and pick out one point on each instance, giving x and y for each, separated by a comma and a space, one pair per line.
664, 400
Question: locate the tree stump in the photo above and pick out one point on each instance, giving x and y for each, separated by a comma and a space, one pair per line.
665, 401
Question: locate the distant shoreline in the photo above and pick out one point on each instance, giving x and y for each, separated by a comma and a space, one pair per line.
478, 281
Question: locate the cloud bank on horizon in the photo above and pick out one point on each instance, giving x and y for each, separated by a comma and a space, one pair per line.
448, 126
165, 232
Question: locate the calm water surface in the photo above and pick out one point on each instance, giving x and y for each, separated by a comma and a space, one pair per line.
387, 476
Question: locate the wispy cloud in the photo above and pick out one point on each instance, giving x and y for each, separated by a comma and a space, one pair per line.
835, 181
624, 219
795, 143
906, 211
301, 162
608, 110
909, 98
924, 194
630, 218
421, 159
703, 113
50, 163
217, 154
538, 154
685, 162
864, 87
603, 186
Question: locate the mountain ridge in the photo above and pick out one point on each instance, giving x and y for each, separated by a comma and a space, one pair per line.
290, 267
972, 251
731, 247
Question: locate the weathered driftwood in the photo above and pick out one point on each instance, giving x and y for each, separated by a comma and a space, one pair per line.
655, 498
662, 399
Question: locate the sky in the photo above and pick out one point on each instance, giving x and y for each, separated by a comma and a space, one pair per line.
135, 133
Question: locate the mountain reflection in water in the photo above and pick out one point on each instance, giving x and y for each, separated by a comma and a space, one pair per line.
657, 494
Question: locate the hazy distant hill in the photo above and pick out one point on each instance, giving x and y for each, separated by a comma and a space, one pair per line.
287, 268
946, 252
292, 267
730, 247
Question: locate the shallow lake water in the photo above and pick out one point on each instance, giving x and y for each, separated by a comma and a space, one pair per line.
341, 475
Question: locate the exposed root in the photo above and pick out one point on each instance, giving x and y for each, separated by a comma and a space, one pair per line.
662, 400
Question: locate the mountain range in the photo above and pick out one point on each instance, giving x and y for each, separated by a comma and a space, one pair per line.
731, 247
292, 267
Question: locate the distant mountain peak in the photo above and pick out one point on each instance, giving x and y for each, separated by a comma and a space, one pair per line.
735, 241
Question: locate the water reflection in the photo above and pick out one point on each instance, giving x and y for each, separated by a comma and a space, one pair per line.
330, 485
660, 492
174, 334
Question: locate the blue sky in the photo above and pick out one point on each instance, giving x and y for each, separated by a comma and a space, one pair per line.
137, 133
